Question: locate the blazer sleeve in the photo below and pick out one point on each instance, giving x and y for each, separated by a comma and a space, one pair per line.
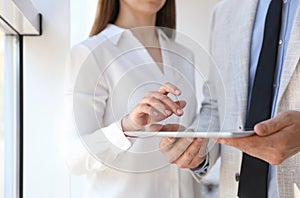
87, 139
209, 120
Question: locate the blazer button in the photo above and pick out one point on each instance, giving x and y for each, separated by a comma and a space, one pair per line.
237, 177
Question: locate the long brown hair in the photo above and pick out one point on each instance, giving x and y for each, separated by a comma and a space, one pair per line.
108, 11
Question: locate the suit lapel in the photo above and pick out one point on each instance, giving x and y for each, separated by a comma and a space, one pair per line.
242, 53
292, 56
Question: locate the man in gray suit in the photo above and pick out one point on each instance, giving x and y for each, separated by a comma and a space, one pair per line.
258, 59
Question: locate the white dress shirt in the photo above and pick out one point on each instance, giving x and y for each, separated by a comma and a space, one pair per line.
106, 77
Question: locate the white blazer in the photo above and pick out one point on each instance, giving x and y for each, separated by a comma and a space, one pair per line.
231, 32
106, 77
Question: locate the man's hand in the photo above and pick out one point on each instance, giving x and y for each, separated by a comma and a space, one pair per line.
276, 139
184, 152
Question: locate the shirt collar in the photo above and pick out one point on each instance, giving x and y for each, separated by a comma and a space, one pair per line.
114, 33
162, 34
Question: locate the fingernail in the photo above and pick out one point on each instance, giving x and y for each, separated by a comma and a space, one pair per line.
171, 139
260, 129
168, 112
155, 113
190, 139
179, 111
177, 92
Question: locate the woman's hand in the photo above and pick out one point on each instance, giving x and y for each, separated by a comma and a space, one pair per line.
184, 152
154, 107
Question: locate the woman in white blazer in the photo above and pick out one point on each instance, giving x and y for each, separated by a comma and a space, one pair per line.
116, 82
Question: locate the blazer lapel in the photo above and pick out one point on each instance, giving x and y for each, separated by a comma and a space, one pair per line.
292, 56
243, 36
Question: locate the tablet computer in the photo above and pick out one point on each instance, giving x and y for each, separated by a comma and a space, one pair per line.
189, 134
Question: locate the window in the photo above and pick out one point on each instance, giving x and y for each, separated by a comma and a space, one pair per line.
17, 19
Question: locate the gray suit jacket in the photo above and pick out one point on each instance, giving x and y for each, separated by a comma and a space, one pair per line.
231, 33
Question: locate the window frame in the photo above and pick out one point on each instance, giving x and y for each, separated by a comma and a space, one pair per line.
23, 20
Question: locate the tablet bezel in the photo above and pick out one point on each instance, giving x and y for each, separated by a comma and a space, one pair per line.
189, 134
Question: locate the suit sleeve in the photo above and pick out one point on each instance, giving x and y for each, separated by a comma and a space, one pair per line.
209, 120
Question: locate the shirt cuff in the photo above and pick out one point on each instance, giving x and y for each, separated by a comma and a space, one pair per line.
202, 168
116, 136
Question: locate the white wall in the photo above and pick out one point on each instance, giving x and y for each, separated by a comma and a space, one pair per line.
45, 174
194, 19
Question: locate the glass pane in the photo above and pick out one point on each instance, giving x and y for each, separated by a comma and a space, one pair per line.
9, 60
